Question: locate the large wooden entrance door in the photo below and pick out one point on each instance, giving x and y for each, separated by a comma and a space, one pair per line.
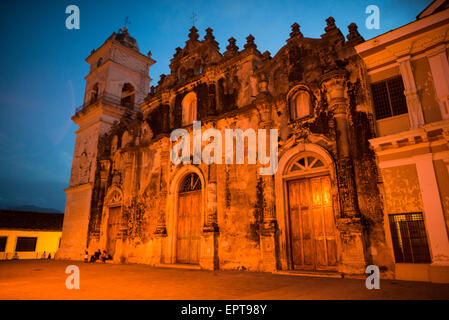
312, 226
113, 229
189, 221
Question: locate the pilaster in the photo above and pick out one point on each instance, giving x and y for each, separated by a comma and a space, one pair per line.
414, 106
269, 226
352, 258
439, 67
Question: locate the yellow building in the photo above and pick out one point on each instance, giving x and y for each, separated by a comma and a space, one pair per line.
408, 72
28, 235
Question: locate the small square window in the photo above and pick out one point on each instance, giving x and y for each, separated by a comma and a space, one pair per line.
3, 243
26, 244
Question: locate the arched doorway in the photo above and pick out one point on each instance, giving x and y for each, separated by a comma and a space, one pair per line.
189, 220
113, 229
113, 219
311, 218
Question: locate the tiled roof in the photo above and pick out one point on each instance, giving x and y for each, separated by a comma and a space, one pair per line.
28, 220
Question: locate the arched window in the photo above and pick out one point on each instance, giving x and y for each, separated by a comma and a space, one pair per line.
307, 162
94, 93
189, 109
127, 96
300, 105
191, 182
115, 199
100, 62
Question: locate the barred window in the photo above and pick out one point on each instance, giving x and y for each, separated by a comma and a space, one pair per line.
26, 244
388, 97
408, 233
3, 244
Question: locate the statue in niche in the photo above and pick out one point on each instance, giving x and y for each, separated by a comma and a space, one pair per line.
146, 134
114, 144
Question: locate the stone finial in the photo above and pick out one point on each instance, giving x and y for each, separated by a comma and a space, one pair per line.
330, 24
354, 36
209, 37
231, 48
267, 55
178, 52
250, 42
162, 79
295, 30
193, 35
149, 54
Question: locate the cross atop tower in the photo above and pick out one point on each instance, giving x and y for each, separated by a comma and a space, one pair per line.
126, 21
193, 18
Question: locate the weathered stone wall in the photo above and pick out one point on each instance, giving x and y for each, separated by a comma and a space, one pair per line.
242, 227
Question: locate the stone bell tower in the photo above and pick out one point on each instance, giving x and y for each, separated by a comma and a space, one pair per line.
118, 81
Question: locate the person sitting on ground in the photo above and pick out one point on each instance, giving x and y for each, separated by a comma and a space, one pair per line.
96, 256
105, 256
16, 256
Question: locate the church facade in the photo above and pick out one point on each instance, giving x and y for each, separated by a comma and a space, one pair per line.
325, 208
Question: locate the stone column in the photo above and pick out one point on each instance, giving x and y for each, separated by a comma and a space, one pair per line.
209, 242
335, 84
439, 67
211, 223
218, 94
348, 222
269, 226
161, 229
94, 233
121, 246
433, 210
414, 106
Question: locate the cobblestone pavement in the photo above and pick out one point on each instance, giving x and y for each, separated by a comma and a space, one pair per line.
34, 279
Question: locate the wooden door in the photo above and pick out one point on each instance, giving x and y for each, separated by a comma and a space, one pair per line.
189, 227
312, 226
113, 229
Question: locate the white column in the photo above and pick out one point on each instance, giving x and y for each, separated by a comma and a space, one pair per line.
415, 112
439, 67
433, 210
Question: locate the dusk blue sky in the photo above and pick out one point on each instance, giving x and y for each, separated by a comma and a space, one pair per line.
43, 67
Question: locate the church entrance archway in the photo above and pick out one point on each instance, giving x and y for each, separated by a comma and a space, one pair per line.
311, 218
189, 220
113, 229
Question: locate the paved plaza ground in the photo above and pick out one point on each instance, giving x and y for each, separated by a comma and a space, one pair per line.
34, 279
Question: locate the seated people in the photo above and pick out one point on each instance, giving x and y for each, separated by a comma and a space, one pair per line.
105, 256
96, 256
